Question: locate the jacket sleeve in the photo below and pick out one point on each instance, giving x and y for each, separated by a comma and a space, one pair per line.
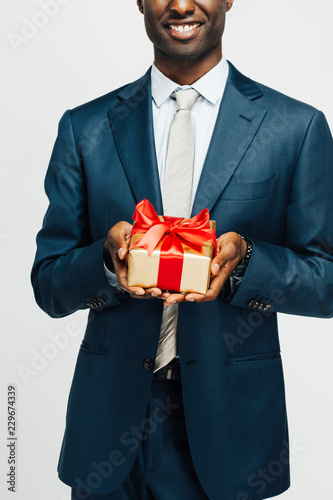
297, 278
68, 271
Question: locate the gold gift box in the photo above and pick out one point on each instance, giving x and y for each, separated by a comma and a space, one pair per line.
143, 269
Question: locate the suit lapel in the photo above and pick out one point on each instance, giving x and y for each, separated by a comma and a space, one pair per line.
132, 126
237, 124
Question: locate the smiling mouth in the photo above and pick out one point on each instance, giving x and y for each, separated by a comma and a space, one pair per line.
183, 30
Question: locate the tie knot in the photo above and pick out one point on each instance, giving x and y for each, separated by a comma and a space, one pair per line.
186, 98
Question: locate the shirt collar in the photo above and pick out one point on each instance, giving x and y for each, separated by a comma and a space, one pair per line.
211, 86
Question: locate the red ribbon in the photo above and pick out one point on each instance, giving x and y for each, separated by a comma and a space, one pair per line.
172, 232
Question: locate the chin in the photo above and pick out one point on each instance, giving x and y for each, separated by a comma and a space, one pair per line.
184, 53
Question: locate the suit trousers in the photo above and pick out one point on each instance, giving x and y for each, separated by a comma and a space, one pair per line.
163, 469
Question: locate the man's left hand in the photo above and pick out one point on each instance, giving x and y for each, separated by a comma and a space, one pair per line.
231, 249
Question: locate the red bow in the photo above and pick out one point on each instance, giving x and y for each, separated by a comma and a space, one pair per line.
172, 232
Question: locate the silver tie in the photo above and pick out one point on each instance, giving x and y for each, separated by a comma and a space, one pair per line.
177, 198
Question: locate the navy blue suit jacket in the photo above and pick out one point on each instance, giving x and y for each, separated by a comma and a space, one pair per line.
268, 175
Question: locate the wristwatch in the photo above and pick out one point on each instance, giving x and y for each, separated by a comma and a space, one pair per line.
240, 269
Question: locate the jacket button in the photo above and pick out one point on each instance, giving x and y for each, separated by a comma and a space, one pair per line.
148, 364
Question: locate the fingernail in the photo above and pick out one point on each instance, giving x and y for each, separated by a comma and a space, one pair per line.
121, 253
216, 268
153, 294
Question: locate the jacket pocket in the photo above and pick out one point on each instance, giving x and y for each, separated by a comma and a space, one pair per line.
255, 358
242, 191
92, 348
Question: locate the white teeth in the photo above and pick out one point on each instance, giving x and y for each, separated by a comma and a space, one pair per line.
181, 28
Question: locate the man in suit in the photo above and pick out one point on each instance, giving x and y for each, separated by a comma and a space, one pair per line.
211, 423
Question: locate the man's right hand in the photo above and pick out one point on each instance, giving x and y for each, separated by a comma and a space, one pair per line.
116, 248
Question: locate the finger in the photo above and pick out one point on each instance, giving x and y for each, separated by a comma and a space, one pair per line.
194, 297
220, 261
122, 251
154, 292
173, 298
229, 249
215, 287
217, 283
149, 293
121, 273
133, 290
164, 295
140, 297
119, 238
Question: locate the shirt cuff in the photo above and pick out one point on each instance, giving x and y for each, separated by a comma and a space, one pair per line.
112, 279
235, 282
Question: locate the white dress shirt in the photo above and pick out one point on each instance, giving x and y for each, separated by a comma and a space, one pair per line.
204, 113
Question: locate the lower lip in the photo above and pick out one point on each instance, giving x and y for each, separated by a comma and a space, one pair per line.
183, 35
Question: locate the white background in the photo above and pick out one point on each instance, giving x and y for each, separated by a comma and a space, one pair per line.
85, 50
